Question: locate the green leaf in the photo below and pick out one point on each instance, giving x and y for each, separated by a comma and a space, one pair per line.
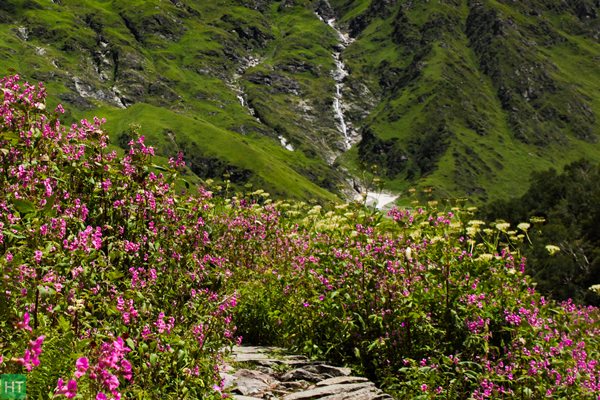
23, 206
159, 167
46, 290
115, 275
64, 324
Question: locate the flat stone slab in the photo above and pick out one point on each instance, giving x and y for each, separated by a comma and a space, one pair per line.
257, 349
269, 373
361, 394
328, 371
323, 391
300, 374
342, 379
250, 382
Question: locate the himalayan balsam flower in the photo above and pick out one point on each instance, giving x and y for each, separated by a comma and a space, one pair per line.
69, 390
82, 364
25, 323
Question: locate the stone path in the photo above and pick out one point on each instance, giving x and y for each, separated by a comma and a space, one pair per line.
269, 373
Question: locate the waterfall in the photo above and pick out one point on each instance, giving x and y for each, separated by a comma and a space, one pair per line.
237, 88
339, 74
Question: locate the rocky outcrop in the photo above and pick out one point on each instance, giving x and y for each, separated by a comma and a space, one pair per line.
270, 373
143, 27
276, 83
377, 9
252, 34
541, 109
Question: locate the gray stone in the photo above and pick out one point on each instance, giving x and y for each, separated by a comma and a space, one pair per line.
295, 386
301, 374
272, 374
361, 394
329, 370
228, 380
342, 379
323, 391
249, 382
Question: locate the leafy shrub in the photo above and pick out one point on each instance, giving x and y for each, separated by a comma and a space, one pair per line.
101, 262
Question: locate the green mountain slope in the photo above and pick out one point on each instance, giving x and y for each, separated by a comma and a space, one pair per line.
476, 94
176, 69
469, 97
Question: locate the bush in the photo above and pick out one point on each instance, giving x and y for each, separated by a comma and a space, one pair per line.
102, 263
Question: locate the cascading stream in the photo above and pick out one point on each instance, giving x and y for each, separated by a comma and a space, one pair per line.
380, 199
339, 75
234, 85
241, 96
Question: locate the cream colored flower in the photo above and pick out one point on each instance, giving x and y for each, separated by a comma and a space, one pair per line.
475, 222
552, 249
502, 226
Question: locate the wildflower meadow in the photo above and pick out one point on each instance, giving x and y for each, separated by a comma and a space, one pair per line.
119, 280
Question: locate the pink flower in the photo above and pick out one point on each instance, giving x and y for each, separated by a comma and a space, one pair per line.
100, 396
69, 390
424, 387
25, 323
82, 364
111, 382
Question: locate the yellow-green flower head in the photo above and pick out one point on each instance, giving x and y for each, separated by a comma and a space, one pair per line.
502, 226
552, 249
485, 257
475, 222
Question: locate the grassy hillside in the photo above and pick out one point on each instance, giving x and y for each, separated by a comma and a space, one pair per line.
179, 67
474, 95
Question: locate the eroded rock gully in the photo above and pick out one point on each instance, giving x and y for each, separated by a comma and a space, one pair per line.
270, 373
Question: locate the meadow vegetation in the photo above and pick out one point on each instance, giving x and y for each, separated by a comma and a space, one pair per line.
118, 281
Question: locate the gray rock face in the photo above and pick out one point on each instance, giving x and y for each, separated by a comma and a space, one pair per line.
270, 373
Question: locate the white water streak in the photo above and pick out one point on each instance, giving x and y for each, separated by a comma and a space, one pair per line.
339, 74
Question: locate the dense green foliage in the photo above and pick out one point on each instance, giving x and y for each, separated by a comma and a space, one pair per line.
568, 202
460, 95
116, 284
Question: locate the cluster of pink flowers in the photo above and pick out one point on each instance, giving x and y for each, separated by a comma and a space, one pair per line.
30, 358
111, 363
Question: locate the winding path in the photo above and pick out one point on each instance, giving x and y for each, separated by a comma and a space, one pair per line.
256, 372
